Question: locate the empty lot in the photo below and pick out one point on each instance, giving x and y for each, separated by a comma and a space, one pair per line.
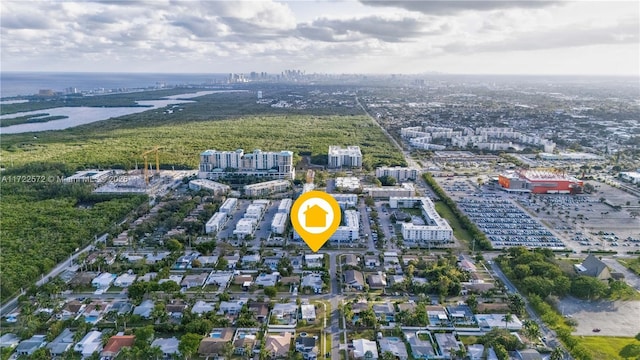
613, 318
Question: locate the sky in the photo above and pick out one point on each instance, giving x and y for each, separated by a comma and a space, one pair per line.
348, 36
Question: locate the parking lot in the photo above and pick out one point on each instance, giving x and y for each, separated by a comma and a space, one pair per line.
584, 222
506, 224
613, 318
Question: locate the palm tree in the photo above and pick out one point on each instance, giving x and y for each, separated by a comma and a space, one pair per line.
557, 354
507, 318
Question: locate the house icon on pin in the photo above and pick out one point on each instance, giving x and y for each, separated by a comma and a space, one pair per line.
315, 216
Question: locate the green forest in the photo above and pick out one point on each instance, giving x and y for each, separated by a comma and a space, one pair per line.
42, 223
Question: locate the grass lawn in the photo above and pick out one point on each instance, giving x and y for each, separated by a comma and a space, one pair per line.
608, 347
633, 264
458, 231
368, 334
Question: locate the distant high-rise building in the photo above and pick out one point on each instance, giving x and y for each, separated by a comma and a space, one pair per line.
215, 164
339, 157
259, 94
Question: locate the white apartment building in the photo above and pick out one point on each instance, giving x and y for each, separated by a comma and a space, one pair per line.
339, 157
267, 187
215, 164
437, 229
285, 206
245, 227
346, 200
229, 206
216, 187
346, 233
349, 231
404, 190
279, 223
254, 211
216, 222
399, 173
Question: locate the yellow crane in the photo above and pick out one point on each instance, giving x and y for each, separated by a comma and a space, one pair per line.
145, 155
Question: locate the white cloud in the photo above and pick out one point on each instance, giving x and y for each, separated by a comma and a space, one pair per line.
221, 36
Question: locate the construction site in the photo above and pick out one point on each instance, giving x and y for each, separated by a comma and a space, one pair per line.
149, 180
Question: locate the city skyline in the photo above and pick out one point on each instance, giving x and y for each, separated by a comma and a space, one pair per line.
463, 37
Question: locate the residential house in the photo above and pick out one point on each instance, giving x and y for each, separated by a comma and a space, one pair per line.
420, 349
437, 315
125, 280
406, 259
242, 279
169, 347
528, 354
492, 321
308, 312
208, 261
144, 309
265, 279
377, 281
384, 311
354, 279
371, 261
9, 341
121, 307
260, 310
175, 308
447, 343
475, 352
115, 345
395, 346
395, 279
460, 314
272, 261
313, 281
184, 262
202, 307
213, 345
29, 346
594, 267
148, 277
290, 280
246, 340
90, 343
220, 278
70, 309
250, 261
297, 262
307, 346
314, 261
277, 345
232, 261
176, 278
103, 281
365, 349
194, 280
284, 315
232, 307
351, 260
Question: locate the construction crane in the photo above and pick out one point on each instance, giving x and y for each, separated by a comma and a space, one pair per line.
145, 156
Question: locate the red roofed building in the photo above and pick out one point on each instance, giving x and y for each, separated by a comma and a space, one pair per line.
540, 182
115, 344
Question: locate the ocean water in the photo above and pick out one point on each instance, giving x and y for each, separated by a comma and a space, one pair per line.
29, 83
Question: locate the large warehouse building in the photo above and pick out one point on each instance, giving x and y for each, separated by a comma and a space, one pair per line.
540, 182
